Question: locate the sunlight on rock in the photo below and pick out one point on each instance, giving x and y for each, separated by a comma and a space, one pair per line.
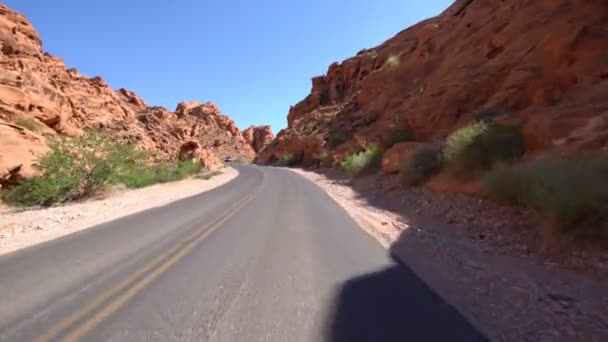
393, 61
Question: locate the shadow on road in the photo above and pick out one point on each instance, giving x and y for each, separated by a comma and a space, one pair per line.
393, 304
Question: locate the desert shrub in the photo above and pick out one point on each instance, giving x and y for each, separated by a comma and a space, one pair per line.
286, 159
29, 123
73, 169
357, 163
146, 174
421, 165
480, 145
78, 167
140, 178
142, 175
187, 168
398, 135
572, 194
39, 191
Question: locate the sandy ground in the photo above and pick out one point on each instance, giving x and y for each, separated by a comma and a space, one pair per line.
507, 296
20, 229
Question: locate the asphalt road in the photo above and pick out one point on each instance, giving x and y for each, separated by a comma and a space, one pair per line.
266, 257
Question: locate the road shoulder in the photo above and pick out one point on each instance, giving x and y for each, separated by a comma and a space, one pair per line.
20, 229
507, 297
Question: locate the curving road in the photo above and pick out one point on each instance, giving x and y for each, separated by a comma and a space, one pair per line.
265, 257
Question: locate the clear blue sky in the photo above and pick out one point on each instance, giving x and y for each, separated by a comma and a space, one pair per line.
253, 58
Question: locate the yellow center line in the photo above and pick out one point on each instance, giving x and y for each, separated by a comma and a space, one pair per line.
154, 270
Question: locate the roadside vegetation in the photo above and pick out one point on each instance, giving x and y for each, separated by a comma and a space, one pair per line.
570, 193
77, 168
358, 163
479, 146
469, 152
421, 165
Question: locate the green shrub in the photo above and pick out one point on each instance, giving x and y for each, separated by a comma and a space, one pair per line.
187, 168
162, 172
572, 194
143, 175
73, 169
286, 159
481, 145
398, 135
29, 123
357, 163
140, 178
40, 191
77, 168
421, 165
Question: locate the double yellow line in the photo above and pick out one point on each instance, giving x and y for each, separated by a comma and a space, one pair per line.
118, 295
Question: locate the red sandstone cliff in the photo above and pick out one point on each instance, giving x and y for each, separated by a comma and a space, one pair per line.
543, 64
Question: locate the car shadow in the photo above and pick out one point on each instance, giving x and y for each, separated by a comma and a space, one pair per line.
393, 304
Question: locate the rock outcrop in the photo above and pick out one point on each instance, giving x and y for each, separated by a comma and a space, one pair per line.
541, 64
393, 157
19, 149
41, 98
258, 137
193, 151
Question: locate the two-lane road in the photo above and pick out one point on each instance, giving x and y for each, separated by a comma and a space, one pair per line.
266, 257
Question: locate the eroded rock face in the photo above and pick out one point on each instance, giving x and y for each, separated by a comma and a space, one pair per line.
37, 86
543, 64
258, 137
19, 148
192, 150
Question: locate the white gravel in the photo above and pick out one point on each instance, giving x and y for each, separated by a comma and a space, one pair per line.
20, 229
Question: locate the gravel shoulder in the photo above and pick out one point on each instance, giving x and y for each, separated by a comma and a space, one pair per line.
20, 229
509, 293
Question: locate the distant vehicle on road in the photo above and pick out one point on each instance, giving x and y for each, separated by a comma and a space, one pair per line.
228, 160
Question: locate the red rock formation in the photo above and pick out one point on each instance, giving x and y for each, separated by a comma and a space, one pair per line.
18, 151
37, 87
392, 158
258, 137
539, 63
192, 150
